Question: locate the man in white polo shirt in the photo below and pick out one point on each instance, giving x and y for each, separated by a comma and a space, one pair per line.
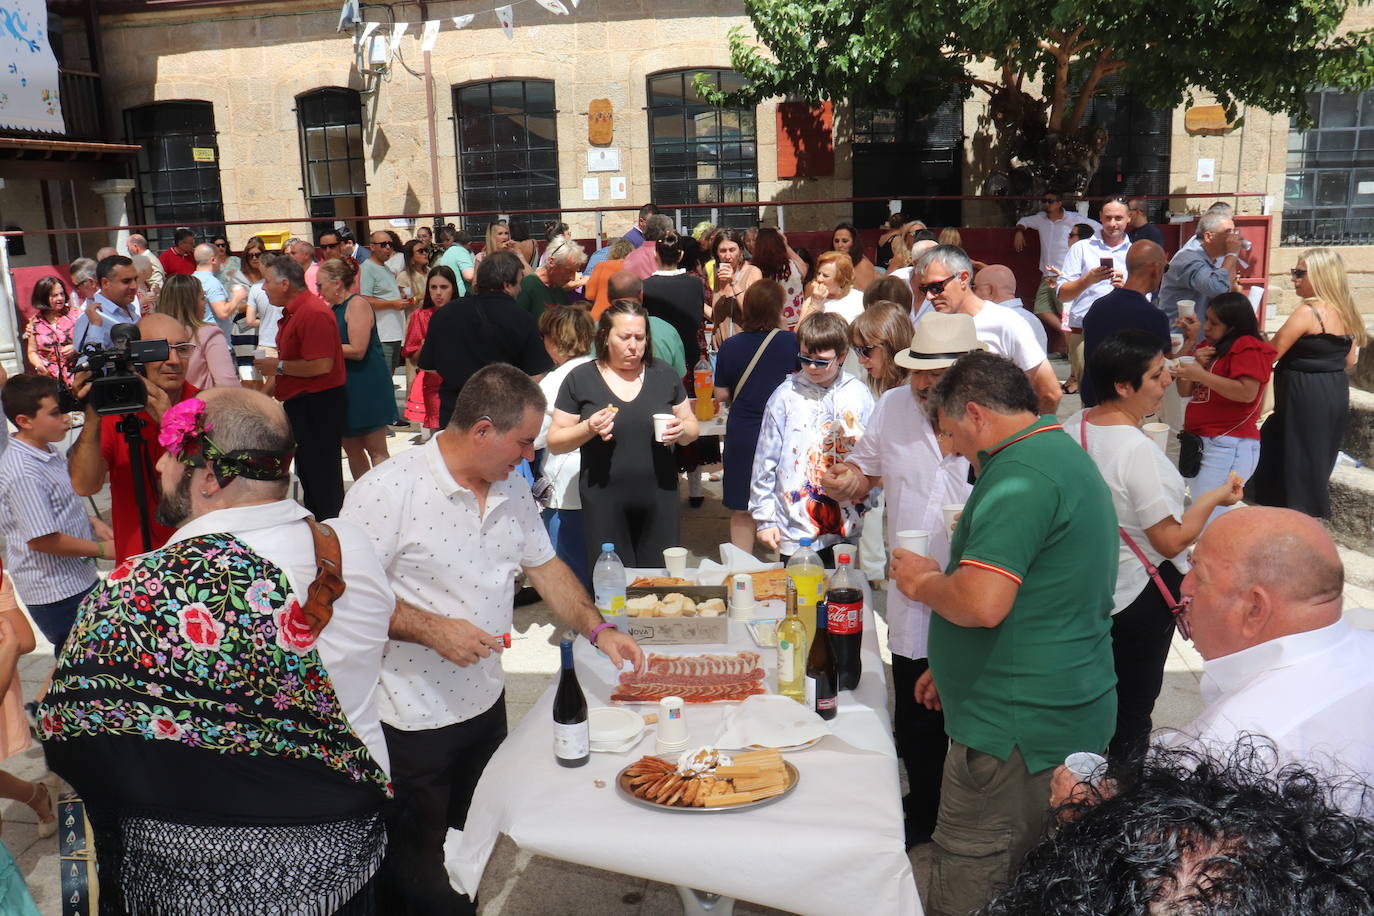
1091, 268
1052, 224
452, 531
946, 280
920, 475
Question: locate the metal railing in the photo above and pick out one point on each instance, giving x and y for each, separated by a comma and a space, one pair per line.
1299, 232
83, 109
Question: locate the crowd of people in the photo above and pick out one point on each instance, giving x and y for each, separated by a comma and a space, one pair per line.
866, 392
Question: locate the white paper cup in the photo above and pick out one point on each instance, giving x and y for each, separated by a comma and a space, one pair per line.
1159, 434
915, 540
661, 421
675, 558
1175, 342
1186, 308
672, 725
950, 513
1087, 766
1187, 360
741, 594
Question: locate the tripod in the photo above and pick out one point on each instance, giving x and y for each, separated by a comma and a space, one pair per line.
131, 425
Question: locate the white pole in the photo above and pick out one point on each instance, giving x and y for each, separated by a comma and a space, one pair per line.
9, 331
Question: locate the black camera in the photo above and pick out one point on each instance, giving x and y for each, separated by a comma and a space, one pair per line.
116, 373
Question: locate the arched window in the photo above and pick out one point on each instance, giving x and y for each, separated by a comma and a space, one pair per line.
332, 167
507, 150
701, 154
178, 167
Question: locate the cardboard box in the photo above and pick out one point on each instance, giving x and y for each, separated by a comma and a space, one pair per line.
677, 631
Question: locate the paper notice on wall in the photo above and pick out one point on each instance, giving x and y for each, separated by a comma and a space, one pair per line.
507, 19
28, 71
591, 188
1206, 170
430, 35
618, 189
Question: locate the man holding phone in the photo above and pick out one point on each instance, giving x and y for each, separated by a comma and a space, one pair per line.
1091, 269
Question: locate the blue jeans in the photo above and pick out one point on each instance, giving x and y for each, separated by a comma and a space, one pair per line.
569, 540
55, 620
1220, 456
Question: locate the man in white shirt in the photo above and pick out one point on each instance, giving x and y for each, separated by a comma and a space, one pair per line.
1053, 224
138, 250
115, 303
452, 530
946, 278
997, 284
1091, 268
378, 285
901, 452
1264, 607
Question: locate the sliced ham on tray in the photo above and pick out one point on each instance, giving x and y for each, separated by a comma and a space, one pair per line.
695, 678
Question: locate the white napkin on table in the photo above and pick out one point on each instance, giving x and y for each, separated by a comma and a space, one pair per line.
732, 560
770, 720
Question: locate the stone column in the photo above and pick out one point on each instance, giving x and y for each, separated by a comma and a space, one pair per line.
116, 194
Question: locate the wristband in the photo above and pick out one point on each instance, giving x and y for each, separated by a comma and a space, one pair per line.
596, 631
281, 367
100, 550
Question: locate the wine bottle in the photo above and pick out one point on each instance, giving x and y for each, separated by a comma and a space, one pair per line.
571, 739
821, 687
792, 651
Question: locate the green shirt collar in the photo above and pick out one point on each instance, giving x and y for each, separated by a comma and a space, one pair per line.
1044, 423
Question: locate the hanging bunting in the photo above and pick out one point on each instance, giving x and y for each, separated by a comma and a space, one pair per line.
368, 29
461, 21
349, 16
503, 13
397, 30
554, 6
430, 35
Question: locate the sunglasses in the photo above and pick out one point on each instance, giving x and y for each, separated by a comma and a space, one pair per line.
815, 363
936, 288
221, 245
1298, 273
253, 254
865, 351
329, 244
1049, 200
381, 244
422, 251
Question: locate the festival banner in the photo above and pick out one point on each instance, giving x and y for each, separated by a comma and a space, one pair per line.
28, 70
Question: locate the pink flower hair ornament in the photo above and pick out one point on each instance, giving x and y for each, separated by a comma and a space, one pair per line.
185, 434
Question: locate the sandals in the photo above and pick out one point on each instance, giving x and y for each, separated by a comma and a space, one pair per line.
46, 826
1069, 386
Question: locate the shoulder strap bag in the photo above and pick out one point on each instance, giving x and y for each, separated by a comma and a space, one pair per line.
739, 386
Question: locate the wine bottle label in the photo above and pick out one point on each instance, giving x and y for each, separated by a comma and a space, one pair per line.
826, 703
810, 692
787, 663
845, 619
571, 742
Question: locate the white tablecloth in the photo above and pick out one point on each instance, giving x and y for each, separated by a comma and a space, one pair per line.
835, 845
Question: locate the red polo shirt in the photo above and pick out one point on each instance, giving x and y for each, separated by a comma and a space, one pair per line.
308, 330
128, 537
174, 262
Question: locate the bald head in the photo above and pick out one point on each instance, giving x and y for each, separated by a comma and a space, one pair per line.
159, 326
995, 282
241, 418
1142, 254
625, 284
204, 255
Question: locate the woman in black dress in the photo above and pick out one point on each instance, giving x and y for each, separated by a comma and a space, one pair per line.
606, 408
1316, 345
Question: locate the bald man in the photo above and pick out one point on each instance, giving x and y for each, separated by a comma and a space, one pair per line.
1127, 306
1278, 660
218, 306
101, 451
997, 284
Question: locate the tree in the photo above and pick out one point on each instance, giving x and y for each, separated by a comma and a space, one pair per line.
1040, 62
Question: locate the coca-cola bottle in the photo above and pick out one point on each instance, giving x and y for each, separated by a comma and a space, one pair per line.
846, 623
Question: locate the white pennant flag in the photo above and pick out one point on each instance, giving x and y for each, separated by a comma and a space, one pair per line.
575, 3
349, 16
554, 6
397, 30
431, 34
507, 20
368, 29
461, 21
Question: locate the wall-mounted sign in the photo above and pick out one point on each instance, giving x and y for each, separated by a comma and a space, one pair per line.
202, 154
603, 160
600, 122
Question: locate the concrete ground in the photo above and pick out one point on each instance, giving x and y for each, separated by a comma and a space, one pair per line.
520, 884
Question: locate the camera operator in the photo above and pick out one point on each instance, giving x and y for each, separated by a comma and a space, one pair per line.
115, 303
100, 450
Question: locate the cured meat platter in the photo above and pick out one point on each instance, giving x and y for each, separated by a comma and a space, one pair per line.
696, 678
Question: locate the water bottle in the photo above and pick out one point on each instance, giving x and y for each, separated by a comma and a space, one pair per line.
608, 586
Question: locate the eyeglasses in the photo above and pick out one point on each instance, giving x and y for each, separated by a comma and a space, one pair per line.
814, 362
1298, 273
865, 351
182, 349
936, 288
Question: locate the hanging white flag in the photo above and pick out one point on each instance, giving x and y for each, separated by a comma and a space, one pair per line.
349, 16
368, 29
461, 21
503, 13
575, 3
431, 33
554, 6
397, 30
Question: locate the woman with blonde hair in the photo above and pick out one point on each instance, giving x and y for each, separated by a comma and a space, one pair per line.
211, 363
878, 335
1316, 345
833, 290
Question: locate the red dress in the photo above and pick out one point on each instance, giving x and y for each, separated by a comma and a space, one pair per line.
422, 403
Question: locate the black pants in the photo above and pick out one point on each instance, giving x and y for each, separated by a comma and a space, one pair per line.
827, 555
1141, 634
921, 743
435, 772
317, 422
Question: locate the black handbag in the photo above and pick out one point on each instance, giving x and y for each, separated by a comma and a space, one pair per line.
1189, 454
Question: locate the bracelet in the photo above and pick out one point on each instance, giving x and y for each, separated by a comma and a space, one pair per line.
100, 550
596, 631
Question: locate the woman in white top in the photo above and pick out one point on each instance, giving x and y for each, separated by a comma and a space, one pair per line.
568, 333
1147, 490
833, 288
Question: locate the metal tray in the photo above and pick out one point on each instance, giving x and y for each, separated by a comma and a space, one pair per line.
793, 777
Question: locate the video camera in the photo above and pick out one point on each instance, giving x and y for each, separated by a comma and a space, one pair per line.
116, 373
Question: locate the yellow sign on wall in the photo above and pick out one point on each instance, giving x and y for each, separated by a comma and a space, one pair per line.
202, 154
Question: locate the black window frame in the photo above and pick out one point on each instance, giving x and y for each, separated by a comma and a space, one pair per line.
1138, 156
1330, 161
504, 166
909, 153
693, 151
171, 186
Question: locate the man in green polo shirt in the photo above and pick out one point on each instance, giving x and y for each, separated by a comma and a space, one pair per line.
1020, 641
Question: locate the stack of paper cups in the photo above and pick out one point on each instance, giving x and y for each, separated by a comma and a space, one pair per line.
672, 726
742, 596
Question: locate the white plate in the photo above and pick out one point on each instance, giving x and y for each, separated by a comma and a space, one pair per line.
612, 728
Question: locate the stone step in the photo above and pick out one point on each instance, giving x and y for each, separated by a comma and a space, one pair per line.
1359, 435
1352, 508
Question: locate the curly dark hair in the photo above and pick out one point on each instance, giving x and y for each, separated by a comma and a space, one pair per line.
1195, 835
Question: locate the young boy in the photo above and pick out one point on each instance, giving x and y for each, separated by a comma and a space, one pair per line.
811, 422
50, 542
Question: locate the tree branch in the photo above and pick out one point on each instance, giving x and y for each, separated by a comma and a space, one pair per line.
1102, 67
1061, 81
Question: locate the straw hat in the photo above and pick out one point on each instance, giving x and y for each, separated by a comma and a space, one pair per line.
939, 340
